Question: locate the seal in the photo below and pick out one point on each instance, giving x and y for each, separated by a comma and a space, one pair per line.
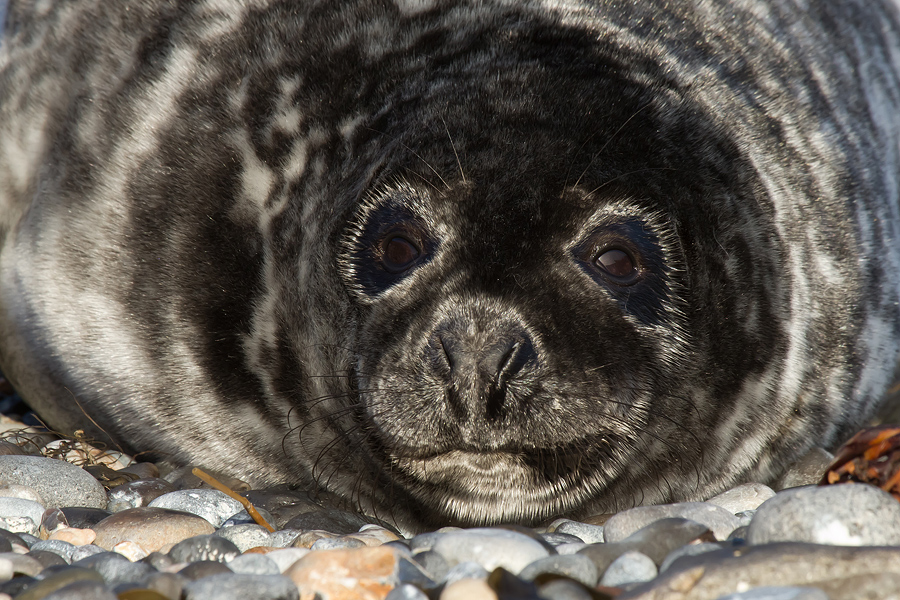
456, 262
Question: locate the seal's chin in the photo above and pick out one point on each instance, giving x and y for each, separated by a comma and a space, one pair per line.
490, 487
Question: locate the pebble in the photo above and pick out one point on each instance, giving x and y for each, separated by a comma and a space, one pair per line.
806, 471
491, 548
720, 521
240, 586
746, 497
841, 515
151, 528
630, 567
213, 549
212, 505
57, 482
246, 536
19, 515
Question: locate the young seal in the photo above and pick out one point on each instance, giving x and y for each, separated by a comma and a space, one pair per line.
458, 262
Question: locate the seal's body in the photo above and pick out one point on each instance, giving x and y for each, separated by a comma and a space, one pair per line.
457, 262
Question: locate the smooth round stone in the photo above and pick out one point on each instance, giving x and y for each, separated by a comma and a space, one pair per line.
465, 570
745, 517
589, 534
689, 550
854, 514
56, 481
406, 592
337, 543
244, 518
137, 493
743, 497
169, 585
716, 518
655, 540
491, 548
19, 507
283, 538
212, 505
409, 571
6, 569
574, 566
74, 536
57, 581
19, 525
12, 539
286, 557
631, 567
254, 564
246, 536
204, 547
84, 518
151, 528
571, 548
333, 520
58, 547
115, 568
432, 563
239, 586
778, 593
558, 539
806, 471
203, 568
468, 589
345, 573
24, 492
82, 590
22, 564
81, 552
48, 559
130, 550
562, 589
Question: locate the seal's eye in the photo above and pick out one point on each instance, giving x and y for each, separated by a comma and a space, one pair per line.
618, 264
398, 254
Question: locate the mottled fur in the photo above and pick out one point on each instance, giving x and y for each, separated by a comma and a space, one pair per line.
195, 199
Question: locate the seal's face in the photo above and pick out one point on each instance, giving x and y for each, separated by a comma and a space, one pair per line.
527, 327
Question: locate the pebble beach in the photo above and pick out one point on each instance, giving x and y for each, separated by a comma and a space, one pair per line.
120, 529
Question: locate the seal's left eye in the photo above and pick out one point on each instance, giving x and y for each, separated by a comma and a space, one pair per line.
617, 263
399, 254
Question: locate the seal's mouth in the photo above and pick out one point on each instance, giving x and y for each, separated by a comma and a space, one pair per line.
496, 486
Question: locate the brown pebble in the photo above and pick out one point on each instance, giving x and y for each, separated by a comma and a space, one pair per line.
130, 550
203, 568
10, 449
357, 574
150, 527
308, 538
141, 594
261, 549
143, 470
74, 535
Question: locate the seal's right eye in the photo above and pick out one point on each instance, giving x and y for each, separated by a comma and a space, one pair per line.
618, 264
398, 254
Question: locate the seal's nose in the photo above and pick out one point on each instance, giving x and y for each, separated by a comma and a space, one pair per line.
476, 365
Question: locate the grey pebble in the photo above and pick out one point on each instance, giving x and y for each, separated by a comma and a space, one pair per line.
80, 552
743, 497
212, 505
572, 548
283, 538
716, 518
656, 540
82, 590
286, 557
13, 510
254, 564
239, 586
23, 564
745, 516
58, 580
169, 585
688, 550
409, 571
48, 559
243, 517
465, 570
19, 525
839, 515
204, 568
336, 543
778, 593
558, 539
115, 568
631, 567
590, 534
56, 481
246, 535
575, 566
204, 547
406, 592
137, 493
806, 471
6, 569
432, 563
24, 492
491, 548
58, 547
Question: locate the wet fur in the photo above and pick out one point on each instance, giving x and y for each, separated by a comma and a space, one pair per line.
193, 194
